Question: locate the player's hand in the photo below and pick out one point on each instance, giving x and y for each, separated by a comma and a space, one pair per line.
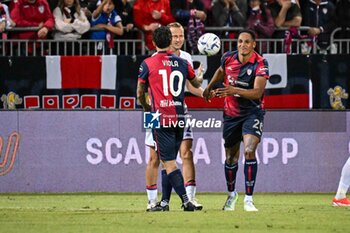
156, 14
2, 26
227, 90
129, 26
67, 20
314, 31
42, 32
208, 94
201, 15
200, 73
153, 26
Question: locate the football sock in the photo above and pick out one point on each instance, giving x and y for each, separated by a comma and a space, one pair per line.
344, 182
166, 187
177, 181
250, 170
232, 194
152, 192
191, 189
248, 198
230, 174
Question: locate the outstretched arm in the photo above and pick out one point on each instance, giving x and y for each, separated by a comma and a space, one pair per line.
252, 94
217, 77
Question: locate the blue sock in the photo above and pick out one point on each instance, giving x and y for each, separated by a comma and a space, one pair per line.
166, 187
177, 181
230, 174
250, 170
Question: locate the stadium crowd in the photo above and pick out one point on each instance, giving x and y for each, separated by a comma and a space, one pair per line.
67, 20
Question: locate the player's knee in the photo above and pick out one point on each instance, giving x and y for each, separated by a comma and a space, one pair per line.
249, 152
232, 159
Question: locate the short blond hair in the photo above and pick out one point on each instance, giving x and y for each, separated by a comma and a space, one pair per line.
174, 25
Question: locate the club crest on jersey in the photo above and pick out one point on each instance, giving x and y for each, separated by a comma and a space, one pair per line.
41, 9
249, 71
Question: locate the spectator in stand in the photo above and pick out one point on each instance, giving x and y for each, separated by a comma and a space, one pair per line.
319, 15
183, 10
125, 11
150, 15
105, 17
70, 20
190, 14
259, 19
229, 13
5, 19
286, 13
88, 6
32, 13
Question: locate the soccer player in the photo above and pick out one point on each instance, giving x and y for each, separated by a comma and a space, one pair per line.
344, 183
186, 154
245, 74
165, 74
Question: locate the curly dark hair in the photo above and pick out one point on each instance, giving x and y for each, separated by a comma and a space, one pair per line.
162, 37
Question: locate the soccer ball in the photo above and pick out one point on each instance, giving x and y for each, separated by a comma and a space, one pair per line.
209, 44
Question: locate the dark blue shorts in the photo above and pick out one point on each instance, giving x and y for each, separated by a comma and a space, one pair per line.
167, 142
236, 127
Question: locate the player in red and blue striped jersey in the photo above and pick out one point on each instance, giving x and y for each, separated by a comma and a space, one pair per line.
186, 155
165, 74
245, 74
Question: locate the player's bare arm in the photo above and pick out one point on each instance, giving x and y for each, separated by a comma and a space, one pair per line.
217, 77
142, 97
252, 94
195, 82
195, 91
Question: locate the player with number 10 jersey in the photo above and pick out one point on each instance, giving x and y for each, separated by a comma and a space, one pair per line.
165, 74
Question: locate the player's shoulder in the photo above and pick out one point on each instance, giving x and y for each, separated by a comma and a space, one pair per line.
230, 54
258, 57
180, 59
185, 55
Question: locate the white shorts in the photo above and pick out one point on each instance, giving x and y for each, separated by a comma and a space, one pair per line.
188, 135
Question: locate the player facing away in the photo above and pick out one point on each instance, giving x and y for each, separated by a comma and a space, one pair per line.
344, 183
245, 74
188, 168
165, 74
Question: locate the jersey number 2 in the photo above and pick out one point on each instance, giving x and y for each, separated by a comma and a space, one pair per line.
170, 86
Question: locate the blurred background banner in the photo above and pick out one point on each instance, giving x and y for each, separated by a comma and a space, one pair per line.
100, 82
104, 151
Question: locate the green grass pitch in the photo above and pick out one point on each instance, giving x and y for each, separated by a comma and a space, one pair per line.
125, 212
